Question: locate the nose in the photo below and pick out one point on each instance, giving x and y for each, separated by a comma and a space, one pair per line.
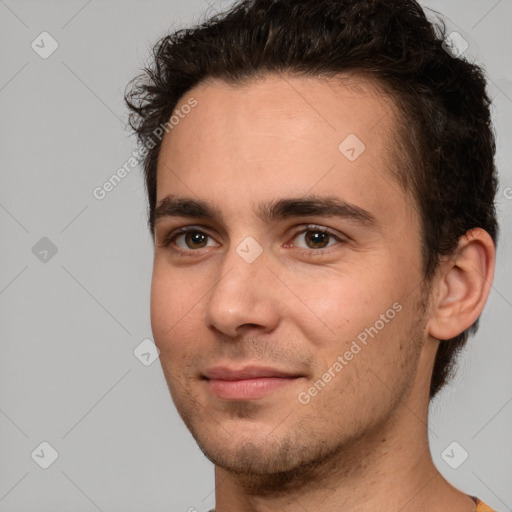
244, 296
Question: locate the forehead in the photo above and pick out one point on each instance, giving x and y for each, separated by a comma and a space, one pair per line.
283, 135
310, 106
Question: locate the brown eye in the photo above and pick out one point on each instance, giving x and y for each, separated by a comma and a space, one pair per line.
195, 239
316, 239
187, 239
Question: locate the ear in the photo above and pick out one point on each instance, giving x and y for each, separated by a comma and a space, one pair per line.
462, 285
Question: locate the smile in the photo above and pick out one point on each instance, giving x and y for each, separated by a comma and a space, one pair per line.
247, 389
247, 383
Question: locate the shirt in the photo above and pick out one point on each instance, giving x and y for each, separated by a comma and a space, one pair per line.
480, 506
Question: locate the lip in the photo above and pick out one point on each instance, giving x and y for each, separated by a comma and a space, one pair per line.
245, 373
247, 383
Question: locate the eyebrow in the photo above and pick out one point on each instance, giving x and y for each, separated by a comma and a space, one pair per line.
312, 205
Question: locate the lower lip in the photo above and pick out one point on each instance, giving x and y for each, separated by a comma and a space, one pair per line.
248, 388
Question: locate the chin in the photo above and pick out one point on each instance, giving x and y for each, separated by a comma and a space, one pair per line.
253, 458
244, 446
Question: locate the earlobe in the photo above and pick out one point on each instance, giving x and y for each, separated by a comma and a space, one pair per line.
463, 285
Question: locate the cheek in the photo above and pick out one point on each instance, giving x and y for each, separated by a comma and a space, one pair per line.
345, 304
174, 304
361, 318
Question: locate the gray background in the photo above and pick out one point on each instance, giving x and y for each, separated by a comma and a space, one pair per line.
69, 324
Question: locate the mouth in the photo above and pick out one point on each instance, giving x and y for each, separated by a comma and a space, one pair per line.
248, 383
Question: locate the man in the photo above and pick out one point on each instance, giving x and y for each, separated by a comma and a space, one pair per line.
321, 185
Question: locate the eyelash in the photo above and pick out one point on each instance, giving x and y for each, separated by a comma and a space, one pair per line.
196, 252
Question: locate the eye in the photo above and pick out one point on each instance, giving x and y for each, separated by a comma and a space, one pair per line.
188, 238
316, 237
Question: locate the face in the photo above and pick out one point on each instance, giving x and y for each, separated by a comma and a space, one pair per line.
287, 315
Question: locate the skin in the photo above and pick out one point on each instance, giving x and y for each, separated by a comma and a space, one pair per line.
361, 443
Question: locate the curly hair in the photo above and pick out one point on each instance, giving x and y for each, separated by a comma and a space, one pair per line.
446, 162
